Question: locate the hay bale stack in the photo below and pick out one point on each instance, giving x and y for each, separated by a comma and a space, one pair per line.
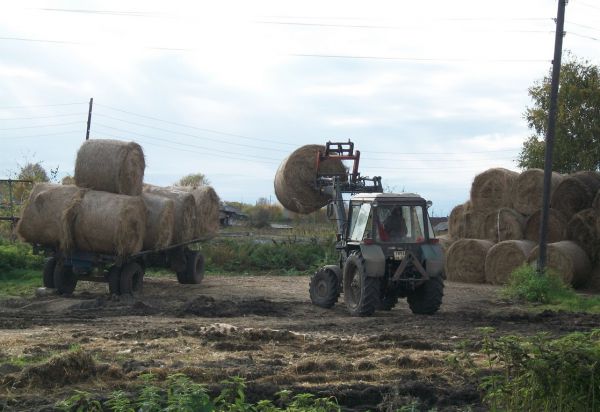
111, 166
575, 193
493, 189
42, 216
528, 190
504, 257
582, 230
465, 261
207, 210
103, 222
557, 226
456, 221
295, 179
503, 224
445, 242
185, 211
160, 221
568, 260
474, 224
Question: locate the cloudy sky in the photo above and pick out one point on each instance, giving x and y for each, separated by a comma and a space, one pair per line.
432, 92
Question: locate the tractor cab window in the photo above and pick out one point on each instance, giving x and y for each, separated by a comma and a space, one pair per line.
397, 223
361, 219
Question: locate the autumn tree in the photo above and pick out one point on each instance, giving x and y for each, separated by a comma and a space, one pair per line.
577, 138
193, 180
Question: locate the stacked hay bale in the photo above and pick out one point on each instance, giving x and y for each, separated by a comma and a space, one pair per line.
106, 211
505, 209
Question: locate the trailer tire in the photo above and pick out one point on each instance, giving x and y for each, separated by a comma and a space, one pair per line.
194, 268
361, 292
324, 288
48, 273
132, 279
114, 280
65, 280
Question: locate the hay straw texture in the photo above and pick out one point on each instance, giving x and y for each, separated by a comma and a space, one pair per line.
528, 191
503, 224
207, 210
504, 257
456, 222
575, 193
41, 219
160, 221
185, 211
557, 226
493, 189
568, 260
582, 230
295, 179
103, 222
111, 166
474, 224
465, 261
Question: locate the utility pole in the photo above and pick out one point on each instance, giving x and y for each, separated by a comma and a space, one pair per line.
560, 24
89, 122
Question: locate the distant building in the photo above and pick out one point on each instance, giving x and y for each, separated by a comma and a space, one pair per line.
440, 224
229, 215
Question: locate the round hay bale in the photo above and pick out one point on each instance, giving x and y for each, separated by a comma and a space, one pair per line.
160, 221
575, 193
493, 189
41, 218
582, 230
445, 242
208, 206
504, 257
185, 211
474, 224
295, 179
503, 224
465, 261
103, 222
567, 259
529, 189
456, 221
557, 226
111, 166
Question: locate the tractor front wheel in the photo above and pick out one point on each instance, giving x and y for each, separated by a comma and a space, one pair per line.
427, 298
361, 292
324, 288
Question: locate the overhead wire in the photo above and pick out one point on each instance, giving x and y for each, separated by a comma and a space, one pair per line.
40, 125
41, 105
41, 117
42, 134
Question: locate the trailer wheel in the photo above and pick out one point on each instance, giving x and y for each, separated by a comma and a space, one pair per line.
324, 288
65, 280
114, 280
48, 273
361, 292
132, 279
194, 268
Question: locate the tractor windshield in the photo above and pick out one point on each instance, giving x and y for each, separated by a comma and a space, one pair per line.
361, 214
401, 224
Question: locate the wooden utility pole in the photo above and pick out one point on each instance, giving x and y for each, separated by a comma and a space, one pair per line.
560, 24
89, 122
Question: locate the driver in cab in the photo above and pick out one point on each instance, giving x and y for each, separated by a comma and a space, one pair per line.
394, 226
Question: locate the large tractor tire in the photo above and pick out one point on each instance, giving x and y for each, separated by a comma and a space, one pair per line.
427, 298
194, 268
48, 273
324, 288
361, 292
65, 280
132, 279
387, 301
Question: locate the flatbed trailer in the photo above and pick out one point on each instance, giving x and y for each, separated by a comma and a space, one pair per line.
124, 275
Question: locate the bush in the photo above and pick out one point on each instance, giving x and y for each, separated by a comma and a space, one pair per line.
14, 256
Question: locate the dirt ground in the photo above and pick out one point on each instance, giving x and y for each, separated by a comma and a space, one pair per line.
262, 328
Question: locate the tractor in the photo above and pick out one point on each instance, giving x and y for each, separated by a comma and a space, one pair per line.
387, 247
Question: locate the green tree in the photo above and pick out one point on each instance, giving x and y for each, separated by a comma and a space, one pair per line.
193, 180
577, 138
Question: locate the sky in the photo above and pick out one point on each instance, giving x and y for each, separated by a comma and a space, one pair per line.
431, 92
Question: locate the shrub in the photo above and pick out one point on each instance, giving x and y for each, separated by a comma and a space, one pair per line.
18, 256
527, 285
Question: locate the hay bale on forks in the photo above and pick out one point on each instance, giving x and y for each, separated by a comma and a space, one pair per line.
111, 166
465, 260
568, 260
160, 221
504, 257
295, 179
575, 193
582, 230
42, 216
493, 188
503, 224
528, 191
557, 226
103, 222
185, 211
207, 210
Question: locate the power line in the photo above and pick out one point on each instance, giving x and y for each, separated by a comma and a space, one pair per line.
583, 3
40, 125
41, 105
420, 59
444, 153
41, 135
583, 26
583, 36
41, 117
195, 127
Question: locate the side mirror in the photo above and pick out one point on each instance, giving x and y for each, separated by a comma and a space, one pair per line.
429, 203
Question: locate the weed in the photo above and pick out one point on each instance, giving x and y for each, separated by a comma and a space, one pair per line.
80, 401
119, 402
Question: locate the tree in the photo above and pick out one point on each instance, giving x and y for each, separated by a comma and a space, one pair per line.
34, 172
577, 138
193, 180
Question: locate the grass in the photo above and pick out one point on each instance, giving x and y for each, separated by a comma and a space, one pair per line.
547, 291
20, 269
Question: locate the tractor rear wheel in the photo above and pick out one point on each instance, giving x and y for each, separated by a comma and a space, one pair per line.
361, 292
65, 280
388, 301
324, 288
427, 298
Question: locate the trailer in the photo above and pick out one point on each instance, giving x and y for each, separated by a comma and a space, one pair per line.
124, 275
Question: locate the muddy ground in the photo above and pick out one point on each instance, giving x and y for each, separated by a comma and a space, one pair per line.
261, 328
